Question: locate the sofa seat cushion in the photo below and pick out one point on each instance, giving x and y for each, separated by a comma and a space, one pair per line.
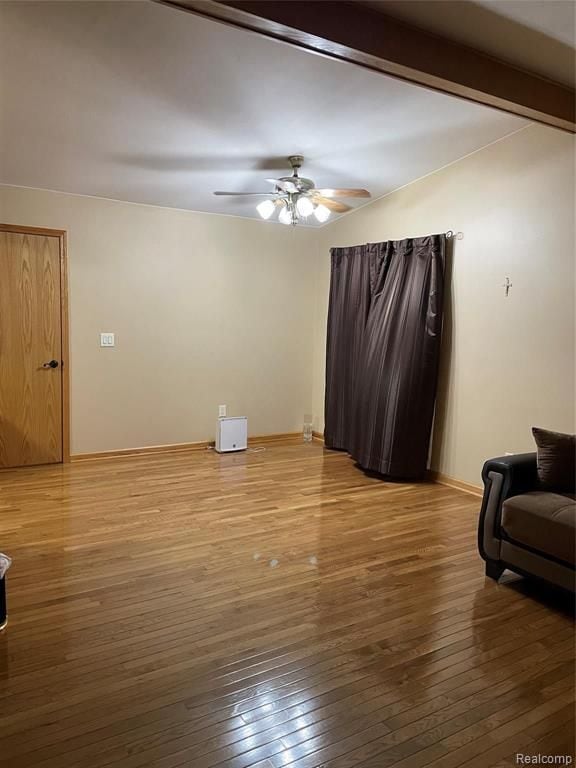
543, 521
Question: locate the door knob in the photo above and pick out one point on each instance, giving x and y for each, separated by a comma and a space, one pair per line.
51, 364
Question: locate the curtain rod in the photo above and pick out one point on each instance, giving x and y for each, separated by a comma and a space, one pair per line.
455, 235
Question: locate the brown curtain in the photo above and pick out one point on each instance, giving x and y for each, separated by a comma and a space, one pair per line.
384, 329
350, 299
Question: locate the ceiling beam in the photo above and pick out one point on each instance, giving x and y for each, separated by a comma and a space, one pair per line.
353, 32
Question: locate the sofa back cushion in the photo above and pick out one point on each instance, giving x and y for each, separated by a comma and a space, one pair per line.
556, 460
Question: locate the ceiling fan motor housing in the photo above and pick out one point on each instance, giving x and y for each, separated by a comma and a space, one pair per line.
301, 184
296, 162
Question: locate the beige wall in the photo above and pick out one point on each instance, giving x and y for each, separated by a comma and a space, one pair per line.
207, 310
213, 309
508, 363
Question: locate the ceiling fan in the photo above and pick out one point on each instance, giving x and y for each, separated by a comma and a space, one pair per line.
296, 197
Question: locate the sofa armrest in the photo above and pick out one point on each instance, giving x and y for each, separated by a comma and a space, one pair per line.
3, 609
503, 477
518, 471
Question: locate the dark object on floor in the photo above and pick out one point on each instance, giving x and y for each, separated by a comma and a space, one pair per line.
5, 563
3, 610
522, 527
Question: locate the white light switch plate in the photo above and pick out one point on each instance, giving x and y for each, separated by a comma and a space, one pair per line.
221, 410
106, 339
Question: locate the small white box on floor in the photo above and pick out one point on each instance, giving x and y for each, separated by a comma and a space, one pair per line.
231, 434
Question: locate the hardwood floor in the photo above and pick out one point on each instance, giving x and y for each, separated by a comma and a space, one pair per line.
267, 609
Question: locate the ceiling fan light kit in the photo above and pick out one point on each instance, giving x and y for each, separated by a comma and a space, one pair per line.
304, 206
298, 198
285, 216
266, 208
322, 213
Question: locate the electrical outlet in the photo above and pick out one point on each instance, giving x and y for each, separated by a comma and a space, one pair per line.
221, 410
106, 339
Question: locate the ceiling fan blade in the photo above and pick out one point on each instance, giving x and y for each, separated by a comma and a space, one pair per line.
240, 194
344, 192
332, 205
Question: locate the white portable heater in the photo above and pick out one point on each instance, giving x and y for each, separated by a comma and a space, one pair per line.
231, 434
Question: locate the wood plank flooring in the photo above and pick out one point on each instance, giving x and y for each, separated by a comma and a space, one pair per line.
266, 609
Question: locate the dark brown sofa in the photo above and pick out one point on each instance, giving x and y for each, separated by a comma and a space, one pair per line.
523, 528
3, 609
4, 565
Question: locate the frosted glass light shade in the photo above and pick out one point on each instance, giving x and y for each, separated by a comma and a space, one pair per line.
265, 208
304, 206
322, 213
285, 215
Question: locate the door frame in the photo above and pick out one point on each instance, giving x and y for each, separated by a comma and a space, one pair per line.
61, 234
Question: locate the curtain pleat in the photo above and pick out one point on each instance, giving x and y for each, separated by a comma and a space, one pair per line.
384, 332
348, 308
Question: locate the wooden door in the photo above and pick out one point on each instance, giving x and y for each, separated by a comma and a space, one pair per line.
31, 335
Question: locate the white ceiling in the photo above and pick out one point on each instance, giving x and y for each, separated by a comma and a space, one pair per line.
140, 102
